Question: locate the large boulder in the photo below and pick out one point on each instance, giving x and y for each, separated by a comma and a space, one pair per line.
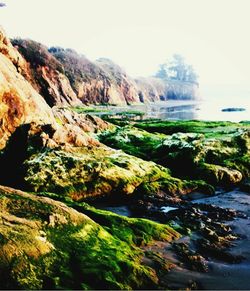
45, 244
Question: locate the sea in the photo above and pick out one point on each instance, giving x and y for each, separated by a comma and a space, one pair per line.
209, 109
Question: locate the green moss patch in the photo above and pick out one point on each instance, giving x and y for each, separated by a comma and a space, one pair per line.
209, 128
132, 230
224, 147
99, 172
45, 244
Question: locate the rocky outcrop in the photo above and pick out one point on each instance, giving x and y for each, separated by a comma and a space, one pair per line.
155, 89
215, 152
97, 173
45, 244
19, 101
46, 73
64, 77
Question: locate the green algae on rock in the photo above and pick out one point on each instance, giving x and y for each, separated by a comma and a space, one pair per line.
45, 244
222, 148
98, 172
209, 128
135, 231
216, 174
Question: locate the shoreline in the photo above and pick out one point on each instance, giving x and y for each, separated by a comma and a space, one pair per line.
180, 110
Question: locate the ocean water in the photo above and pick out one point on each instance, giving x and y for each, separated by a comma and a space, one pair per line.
199, 110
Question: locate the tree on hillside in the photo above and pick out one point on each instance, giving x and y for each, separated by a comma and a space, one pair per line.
162, 74
177, 69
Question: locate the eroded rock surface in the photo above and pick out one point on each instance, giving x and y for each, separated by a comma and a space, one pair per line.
19, 101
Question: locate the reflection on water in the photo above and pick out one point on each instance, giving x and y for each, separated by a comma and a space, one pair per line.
175, 112
185, 110
180, 110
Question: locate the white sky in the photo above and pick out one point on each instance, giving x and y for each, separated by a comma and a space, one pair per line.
213, 36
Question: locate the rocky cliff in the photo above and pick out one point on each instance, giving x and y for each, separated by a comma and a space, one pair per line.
45, 73
125, 85
156, 89
64, 77
19, 101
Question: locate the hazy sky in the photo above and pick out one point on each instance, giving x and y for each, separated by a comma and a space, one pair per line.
214, 36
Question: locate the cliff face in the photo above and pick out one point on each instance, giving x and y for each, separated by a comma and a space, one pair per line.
150, 89
21, 104
46, 73
155, 89
97, 82
123, 84
19, 101
64, 77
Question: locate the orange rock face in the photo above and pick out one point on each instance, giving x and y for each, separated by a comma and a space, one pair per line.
20, 103
64, 77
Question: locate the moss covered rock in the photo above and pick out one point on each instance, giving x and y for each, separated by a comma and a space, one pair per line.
45, 244
216, 174
215, 152
97, 172
133, 141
